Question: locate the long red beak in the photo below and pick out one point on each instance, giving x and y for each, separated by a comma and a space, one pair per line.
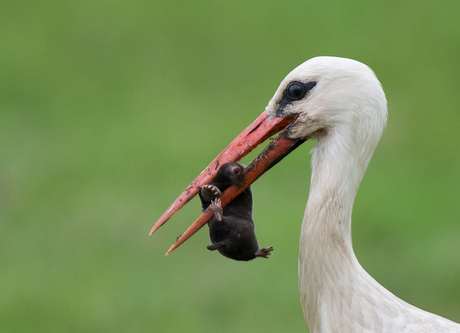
256, 133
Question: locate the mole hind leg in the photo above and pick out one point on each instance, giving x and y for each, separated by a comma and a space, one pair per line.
214, 246
211, 191
265, 252
216, 207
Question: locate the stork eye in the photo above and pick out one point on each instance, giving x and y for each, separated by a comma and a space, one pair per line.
296, 91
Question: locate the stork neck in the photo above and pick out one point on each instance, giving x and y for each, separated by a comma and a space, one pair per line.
337, 171
327, 263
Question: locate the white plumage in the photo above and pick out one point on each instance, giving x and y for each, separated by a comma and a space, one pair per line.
340, 103
346, 112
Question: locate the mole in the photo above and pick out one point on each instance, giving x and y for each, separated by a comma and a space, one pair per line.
231, 229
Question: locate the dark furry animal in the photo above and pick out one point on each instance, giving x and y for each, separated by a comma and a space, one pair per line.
231, 229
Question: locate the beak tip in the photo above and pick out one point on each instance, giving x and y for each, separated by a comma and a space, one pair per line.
259, 131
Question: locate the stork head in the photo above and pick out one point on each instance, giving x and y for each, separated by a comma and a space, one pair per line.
330, 94
323, 97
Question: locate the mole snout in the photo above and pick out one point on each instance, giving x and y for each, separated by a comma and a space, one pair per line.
231, 229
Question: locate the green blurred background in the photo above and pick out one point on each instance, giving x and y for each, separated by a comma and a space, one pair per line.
108, 109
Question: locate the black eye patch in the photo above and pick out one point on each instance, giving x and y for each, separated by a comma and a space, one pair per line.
295, 91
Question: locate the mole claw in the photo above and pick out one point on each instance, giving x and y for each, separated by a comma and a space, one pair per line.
211, 191
216, 207
265, 252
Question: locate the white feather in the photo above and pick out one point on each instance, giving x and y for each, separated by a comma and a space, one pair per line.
346, 112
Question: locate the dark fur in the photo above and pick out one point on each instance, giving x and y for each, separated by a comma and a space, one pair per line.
231, 229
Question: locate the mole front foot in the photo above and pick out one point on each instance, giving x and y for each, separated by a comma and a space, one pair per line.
211, 191
216, 207
265, 252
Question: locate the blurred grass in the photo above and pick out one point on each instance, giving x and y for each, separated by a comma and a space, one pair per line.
109, 109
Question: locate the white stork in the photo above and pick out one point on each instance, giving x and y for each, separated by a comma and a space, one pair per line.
340, 103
